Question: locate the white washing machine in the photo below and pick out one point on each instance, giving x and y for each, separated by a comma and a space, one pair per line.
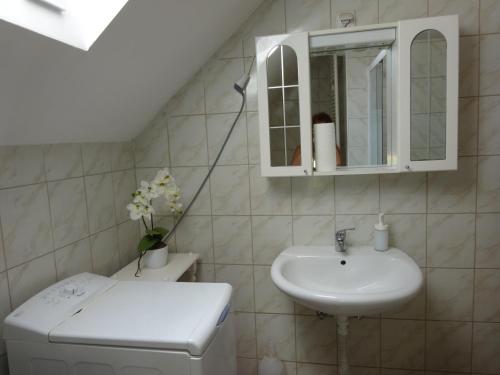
93, 325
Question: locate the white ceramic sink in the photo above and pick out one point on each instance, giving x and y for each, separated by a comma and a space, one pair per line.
357, 282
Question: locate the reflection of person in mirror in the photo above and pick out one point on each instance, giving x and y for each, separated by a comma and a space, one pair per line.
318, 118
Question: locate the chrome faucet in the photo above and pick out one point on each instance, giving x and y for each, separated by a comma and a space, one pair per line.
340, 237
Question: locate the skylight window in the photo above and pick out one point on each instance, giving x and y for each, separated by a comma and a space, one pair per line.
75, 22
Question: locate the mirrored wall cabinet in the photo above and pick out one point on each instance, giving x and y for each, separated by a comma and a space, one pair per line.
360, 100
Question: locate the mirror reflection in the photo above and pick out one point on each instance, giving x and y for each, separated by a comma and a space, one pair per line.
428, 96
350, 86
283, 103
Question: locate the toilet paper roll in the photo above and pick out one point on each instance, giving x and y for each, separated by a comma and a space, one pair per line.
324, 146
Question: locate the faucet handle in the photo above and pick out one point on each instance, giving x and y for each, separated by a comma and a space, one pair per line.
343, 232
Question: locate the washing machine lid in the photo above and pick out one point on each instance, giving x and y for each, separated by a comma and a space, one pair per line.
159, 315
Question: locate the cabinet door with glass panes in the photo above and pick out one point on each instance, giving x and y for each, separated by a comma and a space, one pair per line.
284, 109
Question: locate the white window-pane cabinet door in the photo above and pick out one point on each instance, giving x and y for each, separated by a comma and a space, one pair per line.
428, 93
284, 104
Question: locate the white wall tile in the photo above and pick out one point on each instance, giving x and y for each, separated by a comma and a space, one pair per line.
188, 180
313, 230
448, 346
69, 211
488, 240
105, 256
449, 294
96, 158
73, 259
489, 15
241, 279
486, 342
247, 366
486, 292
251, 91
365, 11
230, 193
304, 15
453, 191
232, 239
236, 150
189, 100
188, 141
122, 156
403, 193
271, 235
268, 298
220, 75
403, 344
232, 47
25, 218
206, 273
467, 10
21, 165
311, 369
316, 340
395, 10
467, 126
364, 342
4, 306
488, 184
151, 146
128, 240
456, 248
489, 66
100, 205
489, 130
269, 196
63, 161
407, 232
357, 194
268, 19
253, 137
2, 252
244, 325
124, 184
312, 196
276, 336
4, 366
202, 242
469, 66
29, 278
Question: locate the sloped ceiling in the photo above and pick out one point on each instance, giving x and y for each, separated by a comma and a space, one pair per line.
52, 93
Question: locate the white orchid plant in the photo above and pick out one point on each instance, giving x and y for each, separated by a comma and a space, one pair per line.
141, 208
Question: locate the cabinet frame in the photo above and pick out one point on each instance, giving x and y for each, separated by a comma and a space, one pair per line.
407, 31
400, 159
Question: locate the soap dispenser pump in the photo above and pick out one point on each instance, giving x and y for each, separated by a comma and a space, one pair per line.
381, 234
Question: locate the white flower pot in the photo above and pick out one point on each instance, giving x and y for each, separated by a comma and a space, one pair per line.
155, 258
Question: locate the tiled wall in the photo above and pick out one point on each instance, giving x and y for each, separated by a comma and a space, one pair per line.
62, 211
449, 222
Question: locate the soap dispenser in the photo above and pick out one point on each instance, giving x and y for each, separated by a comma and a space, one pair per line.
381, 234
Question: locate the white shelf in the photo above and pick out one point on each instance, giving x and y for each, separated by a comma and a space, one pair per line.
177, 265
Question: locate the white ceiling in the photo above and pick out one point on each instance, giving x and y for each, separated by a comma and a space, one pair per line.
51, 93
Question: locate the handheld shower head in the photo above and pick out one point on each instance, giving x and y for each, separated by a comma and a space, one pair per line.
241, 84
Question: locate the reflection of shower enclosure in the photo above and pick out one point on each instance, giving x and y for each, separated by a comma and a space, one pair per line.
353, 87
377, 108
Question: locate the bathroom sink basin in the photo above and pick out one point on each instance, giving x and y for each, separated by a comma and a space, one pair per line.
357, 282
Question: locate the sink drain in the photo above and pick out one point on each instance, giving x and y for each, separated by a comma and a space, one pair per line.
343, 262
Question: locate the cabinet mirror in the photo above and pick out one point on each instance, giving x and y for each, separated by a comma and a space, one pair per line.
428, 96
351, 88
